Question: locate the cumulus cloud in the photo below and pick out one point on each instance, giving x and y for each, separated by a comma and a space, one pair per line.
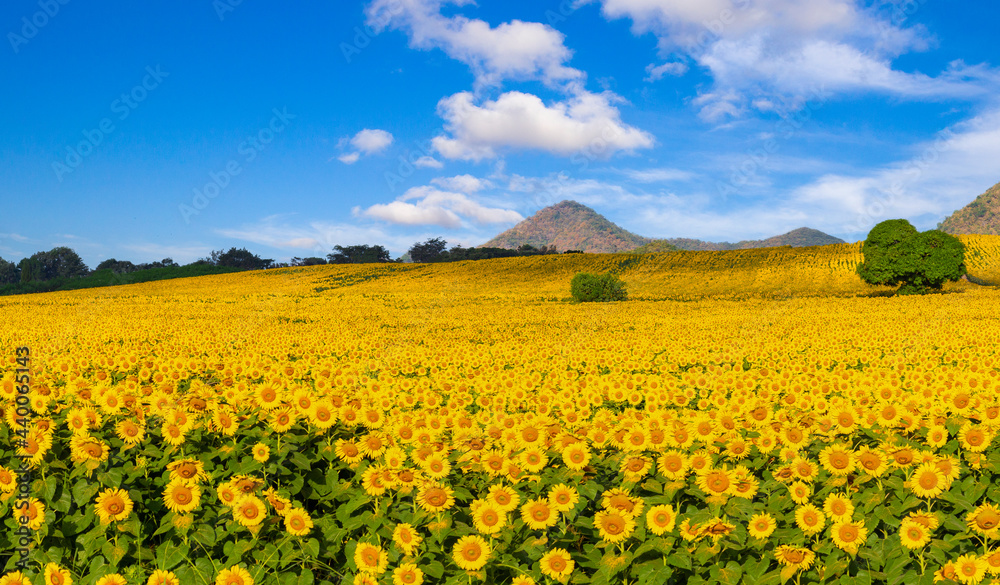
287, 232
428, 162
942, 175
656, 72
514, 50
658, 175
585, 121
429, 206
366, 141
462, 183
771, 52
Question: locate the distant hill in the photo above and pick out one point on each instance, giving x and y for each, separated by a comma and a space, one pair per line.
798, 238
568, 225
982, 216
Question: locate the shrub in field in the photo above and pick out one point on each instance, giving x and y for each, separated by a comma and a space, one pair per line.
895, 253
586, 287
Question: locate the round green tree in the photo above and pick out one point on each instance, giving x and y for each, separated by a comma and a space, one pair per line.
895, 253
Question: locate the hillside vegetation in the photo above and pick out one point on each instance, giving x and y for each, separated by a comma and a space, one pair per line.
982, 216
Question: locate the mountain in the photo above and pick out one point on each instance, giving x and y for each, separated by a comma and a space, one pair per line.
982, 216
796, 238
568, 225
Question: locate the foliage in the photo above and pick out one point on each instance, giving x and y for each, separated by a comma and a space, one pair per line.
311, 261
896, 254
428, 251
360, 254
9, 272
241, 259
587, 288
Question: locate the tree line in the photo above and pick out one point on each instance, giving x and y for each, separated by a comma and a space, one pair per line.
63, 263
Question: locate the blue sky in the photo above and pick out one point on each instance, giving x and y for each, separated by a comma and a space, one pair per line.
145, 130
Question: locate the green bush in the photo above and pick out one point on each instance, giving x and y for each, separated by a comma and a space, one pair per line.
895, 253
588, 288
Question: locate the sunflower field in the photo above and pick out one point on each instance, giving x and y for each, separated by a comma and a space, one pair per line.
763, 419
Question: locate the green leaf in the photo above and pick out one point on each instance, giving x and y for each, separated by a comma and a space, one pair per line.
434, 569
170, 554
311, 547
84, 492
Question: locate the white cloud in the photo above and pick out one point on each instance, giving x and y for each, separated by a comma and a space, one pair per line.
462, 183
515, 50
656, 72
350, 158
371, 141
584, 122
428, 162
431, 206
658, 175
366, 141
772, 53
15, 237
943, 175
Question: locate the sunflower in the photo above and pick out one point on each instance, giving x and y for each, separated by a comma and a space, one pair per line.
800, 492
614, 526
660, 519
804, 469
298, 522
745, 484
970, 569
281, 505
636, 467
690, 531
523, 580
129, 432
322, 415
228, 495
927, 481
172, 433
928, 520
8, 482
794, 556
715, 482
249, 511
506, 498
407, 574
838, 507
949, 467
557, 564
837, 460
406, 538
267, 396
436, 466
872, 461
113, 504
181, 496
471, 552
673, 465
35, 514
809, 519
235, 575
373, 480
370, 558
975, 438
576, 456
618, 499
849, 536
16, 578
913, 535
563, 497
56, 575
261, 452
349, 452
761, 525
937, 436
434, 497
716, 528
993, 562
985, 520
539, 514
